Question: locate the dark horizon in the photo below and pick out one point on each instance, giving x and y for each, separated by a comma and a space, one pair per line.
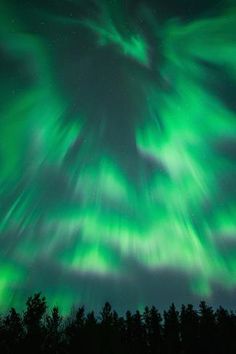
118, 152
186, 331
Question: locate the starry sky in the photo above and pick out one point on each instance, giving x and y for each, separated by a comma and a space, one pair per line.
118, 152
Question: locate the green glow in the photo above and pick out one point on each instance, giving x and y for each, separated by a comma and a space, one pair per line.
92, 258
70, 196
133, 46
10, 276
130, 44
104, 180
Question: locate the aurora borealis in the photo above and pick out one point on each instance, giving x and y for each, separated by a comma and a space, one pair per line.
118, 152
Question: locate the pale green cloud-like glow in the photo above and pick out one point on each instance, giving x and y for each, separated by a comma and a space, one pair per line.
86, 215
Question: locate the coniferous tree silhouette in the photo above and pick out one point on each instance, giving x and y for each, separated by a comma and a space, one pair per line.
154, 330
91, 334
37, 331
33, 321
139, 334
107, 330
129, 337
53, 332
13, 332
225, 331
207, 328
135, 336
171, 334
75, 332
118, 331
189, 330
120, 327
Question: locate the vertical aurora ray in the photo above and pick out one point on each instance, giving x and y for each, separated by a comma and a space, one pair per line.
117, 150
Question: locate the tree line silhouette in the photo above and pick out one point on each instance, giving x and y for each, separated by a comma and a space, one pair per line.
187, 331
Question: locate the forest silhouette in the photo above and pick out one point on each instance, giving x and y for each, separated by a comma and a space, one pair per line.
188, 331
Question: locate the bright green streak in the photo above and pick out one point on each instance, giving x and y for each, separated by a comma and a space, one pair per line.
105, 219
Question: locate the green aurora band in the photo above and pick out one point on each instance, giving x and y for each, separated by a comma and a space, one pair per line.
83, 196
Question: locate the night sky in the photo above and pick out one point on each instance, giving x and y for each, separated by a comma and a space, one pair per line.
118, 152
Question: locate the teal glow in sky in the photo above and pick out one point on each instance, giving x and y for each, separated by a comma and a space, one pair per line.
118, 152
